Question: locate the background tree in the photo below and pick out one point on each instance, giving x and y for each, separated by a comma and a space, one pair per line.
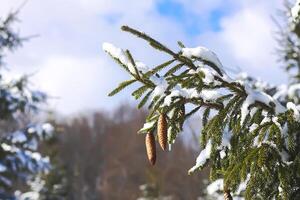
20, 160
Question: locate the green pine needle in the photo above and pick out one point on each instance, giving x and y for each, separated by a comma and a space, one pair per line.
121, 87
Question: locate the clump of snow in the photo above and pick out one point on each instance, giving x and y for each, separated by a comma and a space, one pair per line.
170, 147
266, 119
208, 75
208, 95
203, 157
161, 86
148, 126
215, 186
28, 195
177, 91
275, 121
256, 142
119, 54
280, 189
48, 128
295, 11
243, 185
169, 98
295, 109
6, 147
258, 96
202, 53
242, 76
43, 131
253, 127
141, 66
18, 137
222, 154
170, 135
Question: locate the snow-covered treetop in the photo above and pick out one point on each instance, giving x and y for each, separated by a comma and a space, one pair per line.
15, 94
243, 125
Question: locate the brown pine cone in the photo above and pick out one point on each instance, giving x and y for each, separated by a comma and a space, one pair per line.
162, 131
227, 195
150, 148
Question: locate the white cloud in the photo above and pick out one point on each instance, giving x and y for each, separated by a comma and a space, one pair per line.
75, 82
248, 33
246, 40
82, 75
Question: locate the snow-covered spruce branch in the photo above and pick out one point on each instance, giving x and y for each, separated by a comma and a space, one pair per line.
246, 132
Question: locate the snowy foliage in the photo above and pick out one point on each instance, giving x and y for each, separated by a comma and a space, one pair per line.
202, 158
123, 58
250, 131
20, 159
202, 53
36, 186
21, 153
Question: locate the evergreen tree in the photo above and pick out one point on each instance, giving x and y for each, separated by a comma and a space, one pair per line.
289, 42
250, 135
20, 159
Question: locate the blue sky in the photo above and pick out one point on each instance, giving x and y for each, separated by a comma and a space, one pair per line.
70, 65
192, 23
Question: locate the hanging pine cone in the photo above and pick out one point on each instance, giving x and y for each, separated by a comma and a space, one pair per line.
150, 148
227, 195
162, 131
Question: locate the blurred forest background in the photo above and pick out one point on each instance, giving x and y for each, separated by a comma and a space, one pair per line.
103, 157
99, 155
